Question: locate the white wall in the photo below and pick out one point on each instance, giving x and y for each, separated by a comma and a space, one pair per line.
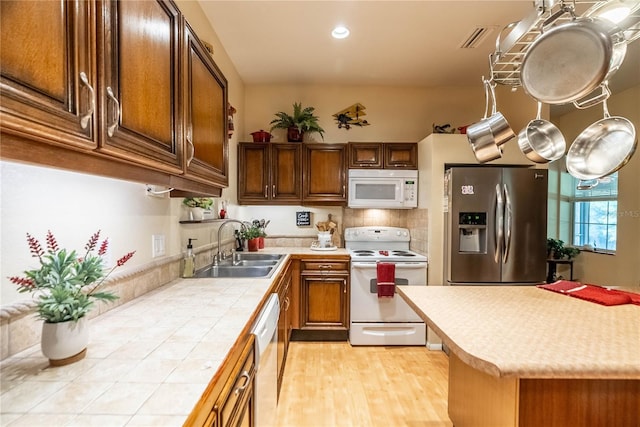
74, 206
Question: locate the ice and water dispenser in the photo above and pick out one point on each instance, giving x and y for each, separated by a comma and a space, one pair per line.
472, 229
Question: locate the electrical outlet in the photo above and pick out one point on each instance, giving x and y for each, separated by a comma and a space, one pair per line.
157, 245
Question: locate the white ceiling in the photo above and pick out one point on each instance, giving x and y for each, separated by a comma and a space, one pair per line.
411, 43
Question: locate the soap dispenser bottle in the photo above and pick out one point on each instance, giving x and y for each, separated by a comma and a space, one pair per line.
189, 261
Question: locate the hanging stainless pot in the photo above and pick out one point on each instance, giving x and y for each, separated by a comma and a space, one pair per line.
481, 137
500, 128
541, 141
602, 148
572, 59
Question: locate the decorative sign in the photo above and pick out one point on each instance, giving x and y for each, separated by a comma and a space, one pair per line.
303, 219
467, 189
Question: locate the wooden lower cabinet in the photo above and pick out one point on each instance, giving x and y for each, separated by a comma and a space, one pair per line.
324, 294
477, 399
284, 290
229, 403
235, 404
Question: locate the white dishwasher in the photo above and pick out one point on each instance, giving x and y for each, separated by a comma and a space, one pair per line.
266, 381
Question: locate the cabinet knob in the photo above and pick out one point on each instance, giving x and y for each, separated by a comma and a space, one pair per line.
266, 191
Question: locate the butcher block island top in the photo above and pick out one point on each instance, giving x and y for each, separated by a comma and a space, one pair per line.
529, 332
527, 357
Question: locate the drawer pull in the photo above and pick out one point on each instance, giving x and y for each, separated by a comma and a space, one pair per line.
243, 387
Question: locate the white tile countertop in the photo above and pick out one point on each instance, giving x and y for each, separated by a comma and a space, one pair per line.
148, 361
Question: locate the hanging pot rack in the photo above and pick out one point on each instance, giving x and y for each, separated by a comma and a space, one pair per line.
507, 58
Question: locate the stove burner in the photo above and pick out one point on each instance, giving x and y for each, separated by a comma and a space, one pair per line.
363, 252
403, 253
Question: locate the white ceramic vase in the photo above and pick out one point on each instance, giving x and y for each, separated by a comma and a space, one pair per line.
197, 214
65, 342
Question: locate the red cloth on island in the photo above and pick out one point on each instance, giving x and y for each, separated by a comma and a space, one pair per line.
386, 279
593, 293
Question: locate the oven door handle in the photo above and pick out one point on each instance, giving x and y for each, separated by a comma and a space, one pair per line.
399, 265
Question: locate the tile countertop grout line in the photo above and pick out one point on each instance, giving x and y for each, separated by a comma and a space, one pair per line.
232, 302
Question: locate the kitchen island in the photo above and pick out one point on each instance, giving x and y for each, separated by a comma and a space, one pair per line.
524, 356
149, 361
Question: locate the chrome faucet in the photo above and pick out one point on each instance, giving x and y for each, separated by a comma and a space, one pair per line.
219, 256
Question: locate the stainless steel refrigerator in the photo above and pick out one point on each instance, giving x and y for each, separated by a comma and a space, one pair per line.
495, 226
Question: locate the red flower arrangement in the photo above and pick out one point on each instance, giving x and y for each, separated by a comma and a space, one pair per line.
66, 284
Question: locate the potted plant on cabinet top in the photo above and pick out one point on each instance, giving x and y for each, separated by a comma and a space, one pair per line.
303, 120
65, 287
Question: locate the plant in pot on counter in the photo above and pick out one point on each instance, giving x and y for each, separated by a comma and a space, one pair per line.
251, 234
302, 120
65, 286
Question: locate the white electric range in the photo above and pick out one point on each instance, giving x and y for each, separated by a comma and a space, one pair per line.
383, 321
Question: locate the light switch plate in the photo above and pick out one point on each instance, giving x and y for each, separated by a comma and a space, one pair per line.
157, 245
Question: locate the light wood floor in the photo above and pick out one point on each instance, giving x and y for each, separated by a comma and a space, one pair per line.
334, 384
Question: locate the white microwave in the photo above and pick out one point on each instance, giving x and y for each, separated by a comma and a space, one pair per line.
383, 188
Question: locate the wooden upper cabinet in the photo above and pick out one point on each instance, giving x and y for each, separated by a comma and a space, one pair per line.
379, 155
207, 150
48, 76
139, 62
401, 155
365, 155
269, 173
324, 174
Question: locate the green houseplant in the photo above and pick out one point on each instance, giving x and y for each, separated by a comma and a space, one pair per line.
557, 250
302, 120
65, 286
251, 233
198, 202
197, 206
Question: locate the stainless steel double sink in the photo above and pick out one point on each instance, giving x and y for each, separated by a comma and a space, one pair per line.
243, 264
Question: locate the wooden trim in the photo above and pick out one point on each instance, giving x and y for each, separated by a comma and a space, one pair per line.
579, 402
477, 399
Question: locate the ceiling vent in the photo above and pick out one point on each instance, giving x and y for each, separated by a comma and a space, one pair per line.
475, 37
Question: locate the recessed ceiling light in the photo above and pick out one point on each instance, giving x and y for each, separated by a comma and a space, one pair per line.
340, 32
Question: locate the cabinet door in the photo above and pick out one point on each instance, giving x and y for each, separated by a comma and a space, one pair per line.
285, 171
207, 154
284, 323
138, 51
48, 76
235, 405
401, 155
325, 301
253, 173
324, 174
365, 155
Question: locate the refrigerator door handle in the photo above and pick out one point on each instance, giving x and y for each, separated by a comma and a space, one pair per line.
508, 221
499, 229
